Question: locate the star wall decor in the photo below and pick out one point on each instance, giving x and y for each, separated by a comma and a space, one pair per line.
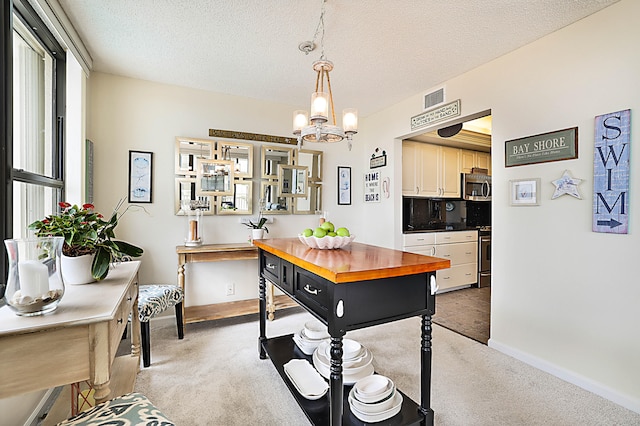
566, 185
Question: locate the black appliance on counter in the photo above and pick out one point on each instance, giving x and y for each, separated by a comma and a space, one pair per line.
478, 214
484, 256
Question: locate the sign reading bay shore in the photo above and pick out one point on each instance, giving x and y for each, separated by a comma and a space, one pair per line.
441, 113
543, 148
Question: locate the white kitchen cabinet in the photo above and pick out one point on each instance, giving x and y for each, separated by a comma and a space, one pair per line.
430, 170
470, 159
459, 247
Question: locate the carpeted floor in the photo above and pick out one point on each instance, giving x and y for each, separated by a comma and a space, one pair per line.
215, 377
466, 311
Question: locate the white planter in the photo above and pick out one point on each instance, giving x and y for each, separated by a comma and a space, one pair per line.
257, 234
77, 270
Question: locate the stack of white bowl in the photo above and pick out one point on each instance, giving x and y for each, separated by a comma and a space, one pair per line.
308, 339
374, 399
357, 360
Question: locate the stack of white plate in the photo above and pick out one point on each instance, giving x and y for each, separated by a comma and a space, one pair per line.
374, 399
357, 361
308, 339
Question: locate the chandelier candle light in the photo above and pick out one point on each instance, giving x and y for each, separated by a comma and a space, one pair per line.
318, 130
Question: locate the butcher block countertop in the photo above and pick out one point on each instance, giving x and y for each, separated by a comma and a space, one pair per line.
355, 262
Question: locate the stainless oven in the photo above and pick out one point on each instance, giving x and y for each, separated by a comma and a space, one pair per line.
476, 187
484, 257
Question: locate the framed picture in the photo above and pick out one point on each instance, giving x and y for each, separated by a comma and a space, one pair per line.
344, 185
524, 192
140, 173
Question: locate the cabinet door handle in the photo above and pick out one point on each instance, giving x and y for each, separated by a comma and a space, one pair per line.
271, 266
311, 291
467, 252
433, 251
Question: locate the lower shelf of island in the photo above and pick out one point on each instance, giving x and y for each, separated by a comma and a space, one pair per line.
282, 349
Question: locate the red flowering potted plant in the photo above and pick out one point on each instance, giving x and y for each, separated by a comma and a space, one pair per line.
86, 232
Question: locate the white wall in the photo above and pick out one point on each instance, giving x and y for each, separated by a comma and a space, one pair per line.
563, 298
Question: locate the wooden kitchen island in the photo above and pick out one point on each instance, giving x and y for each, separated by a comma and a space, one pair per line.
346, 289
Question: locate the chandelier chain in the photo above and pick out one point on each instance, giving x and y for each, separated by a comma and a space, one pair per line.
320, 28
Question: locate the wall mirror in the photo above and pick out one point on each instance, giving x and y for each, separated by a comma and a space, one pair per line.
240, 154
312, 204
239, 202
189, 151
271, 202
313, 161
214, 177
271, 157
292, 181
186, 198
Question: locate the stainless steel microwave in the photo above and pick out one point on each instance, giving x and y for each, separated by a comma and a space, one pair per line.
476, 187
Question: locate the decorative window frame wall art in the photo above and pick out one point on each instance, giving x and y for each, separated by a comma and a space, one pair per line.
140, 177
344, 185
525, 192
543, 148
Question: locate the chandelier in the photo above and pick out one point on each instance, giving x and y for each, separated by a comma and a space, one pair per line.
316, 128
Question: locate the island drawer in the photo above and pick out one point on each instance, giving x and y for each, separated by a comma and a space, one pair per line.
271, 267
312, 290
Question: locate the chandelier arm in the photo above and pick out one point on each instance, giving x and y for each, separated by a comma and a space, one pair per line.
333, 110
319, 81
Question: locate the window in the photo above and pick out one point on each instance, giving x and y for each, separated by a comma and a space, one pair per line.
33, 115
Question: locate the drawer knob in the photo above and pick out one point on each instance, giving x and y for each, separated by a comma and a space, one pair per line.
119, 320
309, 290
129, 299
271, 266
340, 309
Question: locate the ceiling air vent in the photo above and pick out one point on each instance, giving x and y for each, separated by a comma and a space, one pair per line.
434, 98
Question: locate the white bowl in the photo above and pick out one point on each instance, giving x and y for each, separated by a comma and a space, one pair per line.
379, 416
327, 242
315, 330
350, 350
372, 386
372, 407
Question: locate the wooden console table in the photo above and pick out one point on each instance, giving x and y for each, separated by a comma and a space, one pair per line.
219, 253
77, 341
347, 289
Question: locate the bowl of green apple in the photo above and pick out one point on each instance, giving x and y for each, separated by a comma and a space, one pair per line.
326, 237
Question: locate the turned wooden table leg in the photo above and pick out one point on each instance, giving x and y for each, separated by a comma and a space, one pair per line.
182, 259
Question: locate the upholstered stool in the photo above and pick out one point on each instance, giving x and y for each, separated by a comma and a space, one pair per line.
153, 299
130, 409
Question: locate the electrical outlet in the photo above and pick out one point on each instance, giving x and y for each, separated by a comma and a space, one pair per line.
231, 289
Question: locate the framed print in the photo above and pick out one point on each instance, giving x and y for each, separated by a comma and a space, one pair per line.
344, 185
140, 173
525, 192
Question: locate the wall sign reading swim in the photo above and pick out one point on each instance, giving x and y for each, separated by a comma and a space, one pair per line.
611, 173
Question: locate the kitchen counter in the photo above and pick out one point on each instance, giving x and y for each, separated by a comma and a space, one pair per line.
449, 227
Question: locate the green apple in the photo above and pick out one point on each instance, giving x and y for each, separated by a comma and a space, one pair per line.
327, 226
319, 233
331, 234
342, 232
307, 232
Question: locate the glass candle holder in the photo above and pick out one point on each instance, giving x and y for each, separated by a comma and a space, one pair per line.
194, 237
34, 282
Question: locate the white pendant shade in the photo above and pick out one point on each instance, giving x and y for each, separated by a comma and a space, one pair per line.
319, 106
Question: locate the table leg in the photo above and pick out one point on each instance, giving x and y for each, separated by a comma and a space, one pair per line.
335, 382
182, 259
425, 371
271, 304
263, 315
135, 327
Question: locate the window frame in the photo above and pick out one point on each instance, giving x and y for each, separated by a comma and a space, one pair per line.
21, 9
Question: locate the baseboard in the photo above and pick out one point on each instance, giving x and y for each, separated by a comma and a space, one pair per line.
585, 383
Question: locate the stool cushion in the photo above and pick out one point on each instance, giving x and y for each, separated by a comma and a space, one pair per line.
154, 299
131, 409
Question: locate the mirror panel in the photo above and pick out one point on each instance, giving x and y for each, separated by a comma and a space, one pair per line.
240, 154
215, 177
270, 202
313, 161
271, 157
239, 202
292, 181
189, 151
312, 204
185, 195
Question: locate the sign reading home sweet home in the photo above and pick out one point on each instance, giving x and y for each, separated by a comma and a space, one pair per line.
611, 173
553, 146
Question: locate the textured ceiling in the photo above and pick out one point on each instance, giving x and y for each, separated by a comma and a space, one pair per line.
383, 50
